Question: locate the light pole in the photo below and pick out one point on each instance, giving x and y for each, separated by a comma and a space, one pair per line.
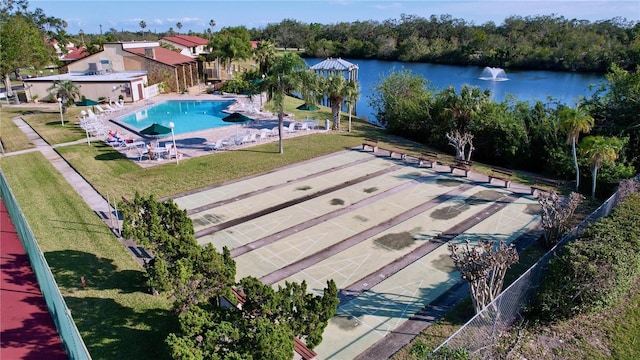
86, 128
173, 139
60, 106
261, 90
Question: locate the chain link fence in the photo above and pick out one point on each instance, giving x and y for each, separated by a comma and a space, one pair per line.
478, 336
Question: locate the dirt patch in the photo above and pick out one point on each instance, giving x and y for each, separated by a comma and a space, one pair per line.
396, 241
360, 218
484, 196
370, 190
448, 182
304, 188
449, 212
444, 263
533, 209
345, 321
336, 202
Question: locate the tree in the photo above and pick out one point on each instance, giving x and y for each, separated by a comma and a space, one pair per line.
557, 213
21, 45
65, 90
336, 88
190, 273
599, 150
179, 26
143, 25
574, 121
463, 108
265, 55
282, 80
484, 268
231, 43
460, 143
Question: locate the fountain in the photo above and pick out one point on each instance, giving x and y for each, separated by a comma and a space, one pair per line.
493, 74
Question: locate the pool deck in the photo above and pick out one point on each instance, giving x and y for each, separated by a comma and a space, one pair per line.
193, 144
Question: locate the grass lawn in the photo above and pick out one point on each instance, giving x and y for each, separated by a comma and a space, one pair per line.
13, 139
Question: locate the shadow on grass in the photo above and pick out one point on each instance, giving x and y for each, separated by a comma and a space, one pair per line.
69, 266
113, 331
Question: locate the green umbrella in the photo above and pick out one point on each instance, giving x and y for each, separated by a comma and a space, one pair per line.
308, 107
155, 130
236, 118
87, 102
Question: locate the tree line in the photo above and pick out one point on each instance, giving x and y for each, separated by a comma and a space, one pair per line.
518, 134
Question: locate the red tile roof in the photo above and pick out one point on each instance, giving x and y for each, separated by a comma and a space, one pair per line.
75, 54
164, 56
186, 40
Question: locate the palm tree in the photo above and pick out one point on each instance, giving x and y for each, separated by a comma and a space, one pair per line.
574, 121
265, 54
464, 107
599, 150
336, 88
353, 93
143, 25
65, 90
179, 26
309, 89
282, 80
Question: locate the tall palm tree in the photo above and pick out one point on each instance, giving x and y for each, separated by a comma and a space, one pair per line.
143, 25
283, 79
265, 54
573, 122
65, 90
310, 90
464, 107
231, 43
599, 150
179, 26
353, 93
336, 88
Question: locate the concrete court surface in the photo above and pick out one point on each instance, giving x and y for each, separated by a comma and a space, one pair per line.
377, 226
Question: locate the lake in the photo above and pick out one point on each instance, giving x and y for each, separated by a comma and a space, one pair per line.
565, 87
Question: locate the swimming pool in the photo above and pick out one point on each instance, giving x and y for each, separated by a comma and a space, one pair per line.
187, 115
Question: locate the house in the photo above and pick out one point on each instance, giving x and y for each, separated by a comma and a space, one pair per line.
132, 71
192, 46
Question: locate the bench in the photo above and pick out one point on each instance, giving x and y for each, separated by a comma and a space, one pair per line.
542, 184
501, 174
372, 143
400, 153
428, 156
460, 164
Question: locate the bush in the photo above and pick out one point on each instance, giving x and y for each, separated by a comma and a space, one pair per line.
235, 86
594, 271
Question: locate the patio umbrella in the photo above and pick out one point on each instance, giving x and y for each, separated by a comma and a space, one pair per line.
236, 118
87, 102
155, 130
307, 107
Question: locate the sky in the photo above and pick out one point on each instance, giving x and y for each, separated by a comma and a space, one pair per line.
160, 15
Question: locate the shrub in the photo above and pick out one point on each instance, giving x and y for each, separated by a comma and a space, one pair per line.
596, 270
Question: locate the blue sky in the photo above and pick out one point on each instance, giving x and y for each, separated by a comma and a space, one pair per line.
160, 15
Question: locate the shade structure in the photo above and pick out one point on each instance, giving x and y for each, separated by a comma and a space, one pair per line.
308, 107
155, 130
236, 118
87, 102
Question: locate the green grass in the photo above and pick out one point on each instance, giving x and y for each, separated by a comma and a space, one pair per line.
115, 316
13, 139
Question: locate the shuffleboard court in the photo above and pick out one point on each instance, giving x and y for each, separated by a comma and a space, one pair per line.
377, 226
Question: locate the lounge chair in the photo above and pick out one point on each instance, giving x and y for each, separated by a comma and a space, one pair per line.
291, 128
219, 144
103, 110
111, 108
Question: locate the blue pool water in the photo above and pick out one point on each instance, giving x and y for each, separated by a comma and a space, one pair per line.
188, 116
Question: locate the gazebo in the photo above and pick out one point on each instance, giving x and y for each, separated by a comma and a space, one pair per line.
331, 66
